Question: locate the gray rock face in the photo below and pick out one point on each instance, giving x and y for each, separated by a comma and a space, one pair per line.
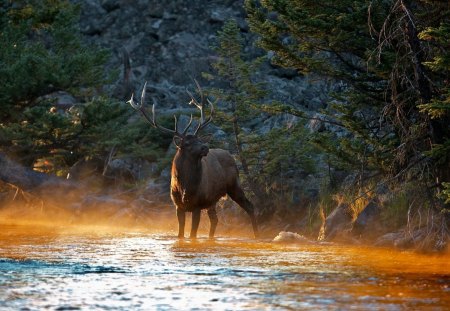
169, 44
166, 40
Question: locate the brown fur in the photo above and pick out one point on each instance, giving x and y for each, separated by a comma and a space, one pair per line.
198, 182
199, 177
200, 189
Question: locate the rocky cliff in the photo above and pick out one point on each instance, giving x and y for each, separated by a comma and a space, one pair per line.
169, 44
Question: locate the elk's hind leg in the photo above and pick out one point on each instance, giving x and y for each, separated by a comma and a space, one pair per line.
239, 197
212, 214
195, 222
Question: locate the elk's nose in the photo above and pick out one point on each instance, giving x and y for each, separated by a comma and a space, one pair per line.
204, 150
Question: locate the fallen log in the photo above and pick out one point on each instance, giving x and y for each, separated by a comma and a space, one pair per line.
73, 199
47, 187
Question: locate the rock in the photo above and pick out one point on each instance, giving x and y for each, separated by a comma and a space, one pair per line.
170, 41
337, 224
284, 73
220, 15
290, 237
110, 5
156, 24
400, 239
367, 222
424, 239
155, 187
389, 239
94, 17
86, 169
315, 104
165, 175
127, 169
61, 100
315, 124
97, 172
106, 205
31, 180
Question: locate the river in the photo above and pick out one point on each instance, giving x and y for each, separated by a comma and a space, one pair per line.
96, 269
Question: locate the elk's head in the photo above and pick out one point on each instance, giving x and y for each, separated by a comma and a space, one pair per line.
193, 145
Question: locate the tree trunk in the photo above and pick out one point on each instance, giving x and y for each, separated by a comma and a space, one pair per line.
47, 187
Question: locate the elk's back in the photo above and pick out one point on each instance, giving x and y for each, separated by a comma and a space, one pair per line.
219, 173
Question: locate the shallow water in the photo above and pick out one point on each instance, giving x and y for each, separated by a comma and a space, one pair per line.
97, 270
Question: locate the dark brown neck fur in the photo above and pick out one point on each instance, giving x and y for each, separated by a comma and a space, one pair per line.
188, 173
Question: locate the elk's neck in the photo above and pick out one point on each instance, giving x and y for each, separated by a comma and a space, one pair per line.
187, 172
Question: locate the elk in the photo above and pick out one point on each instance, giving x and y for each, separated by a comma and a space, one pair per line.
200, 176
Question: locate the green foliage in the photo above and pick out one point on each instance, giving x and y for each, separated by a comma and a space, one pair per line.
235, 69
241, 96
42, 52
445, 195
103, 125
282, 157
439, 63
393, 61
333, 40
272, 163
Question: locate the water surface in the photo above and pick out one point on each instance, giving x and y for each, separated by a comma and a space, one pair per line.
96, 270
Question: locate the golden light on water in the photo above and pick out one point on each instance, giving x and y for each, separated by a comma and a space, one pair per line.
65, 264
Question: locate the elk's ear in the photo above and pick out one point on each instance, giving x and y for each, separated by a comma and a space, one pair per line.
177, 141
205, 138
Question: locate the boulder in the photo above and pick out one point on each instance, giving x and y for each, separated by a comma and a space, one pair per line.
290, 237
338, 224
367, 223
61, 100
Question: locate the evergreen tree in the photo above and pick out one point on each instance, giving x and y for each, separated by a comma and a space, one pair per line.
241, 95
42, 53
270, 162
392, 57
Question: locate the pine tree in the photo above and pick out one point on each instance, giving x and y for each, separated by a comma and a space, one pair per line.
42, 53
392, 58
270, 162
240, 96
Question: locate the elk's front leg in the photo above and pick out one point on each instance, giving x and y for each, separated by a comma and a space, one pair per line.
195, 223
181, 215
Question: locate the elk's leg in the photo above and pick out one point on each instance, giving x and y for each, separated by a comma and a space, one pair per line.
195, 223
181, 215
239, 197
213, 220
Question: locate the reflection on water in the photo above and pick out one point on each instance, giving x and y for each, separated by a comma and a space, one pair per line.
148, 271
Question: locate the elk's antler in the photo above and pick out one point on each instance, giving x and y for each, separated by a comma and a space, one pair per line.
202, 123
140, 107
